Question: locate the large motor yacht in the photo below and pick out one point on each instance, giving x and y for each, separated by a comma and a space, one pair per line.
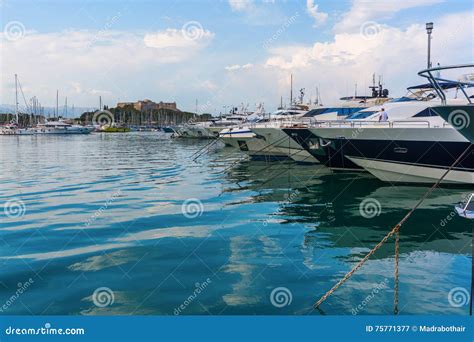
266, 139
61, 127
413, 144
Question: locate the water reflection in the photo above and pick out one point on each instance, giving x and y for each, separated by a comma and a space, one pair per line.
107, 211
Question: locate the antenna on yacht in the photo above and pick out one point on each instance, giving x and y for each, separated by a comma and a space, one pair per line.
374, 87
100, 102
301, 95
57, 103
291, 89
65, 107
355, 91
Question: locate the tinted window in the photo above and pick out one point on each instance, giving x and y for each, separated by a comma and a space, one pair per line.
425, 113
361, 115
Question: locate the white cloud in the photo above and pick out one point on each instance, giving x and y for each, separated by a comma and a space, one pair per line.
364, 10
172, 38
99, 92
312, 8
258, 13
209, 85
238, 67
88, 63
396, 53
241, 5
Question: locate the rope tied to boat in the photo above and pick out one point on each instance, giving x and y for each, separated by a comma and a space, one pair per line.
394, 230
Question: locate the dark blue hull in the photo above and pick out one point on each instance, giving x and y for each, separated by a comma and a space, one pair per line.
420, 153
460, 117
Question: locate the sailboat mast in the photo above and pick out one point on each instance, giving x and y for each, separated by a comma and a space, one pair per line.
16, 98
57, 103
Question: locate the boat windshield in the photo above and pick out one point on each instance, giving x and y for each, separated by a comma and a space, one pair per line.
361, 115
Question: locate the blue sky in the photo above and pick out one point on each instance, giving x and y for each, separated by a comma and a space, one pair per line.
239, 51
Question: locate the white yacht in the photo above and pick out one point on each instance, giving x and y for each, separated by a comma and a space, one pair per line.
414, 144
266, 139
61, 127
13, 129
244, 138
211, 129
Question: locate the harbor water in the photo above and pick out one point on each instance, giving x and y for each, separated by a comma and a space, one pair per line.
107, 224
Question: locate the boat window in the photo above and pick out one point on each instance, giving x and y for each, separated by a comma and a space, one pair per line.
343, 111
404, 99
315, 112
361, 115
425, 113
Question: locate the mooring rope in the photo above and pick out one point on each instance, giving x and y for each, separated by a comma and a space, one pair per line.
393, 231
204, 149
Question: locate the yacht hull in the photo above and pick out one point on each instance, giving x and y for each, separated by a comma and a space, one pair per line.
460, 117
280, 144
16, 132
63, 131
396, 172
329, 153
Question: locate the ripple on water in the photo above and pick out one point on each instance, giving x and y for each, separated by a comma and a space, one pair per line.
110, 210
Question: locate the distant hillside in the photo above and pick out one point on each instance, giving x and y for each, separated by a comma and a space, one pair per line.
48, 111
130, 116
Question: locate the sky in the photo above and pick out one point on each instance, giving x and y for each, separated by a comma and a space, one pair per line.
223, 53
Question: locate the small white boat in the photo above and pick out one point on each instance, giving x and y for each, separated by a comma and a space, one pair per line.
13, 129
466, 209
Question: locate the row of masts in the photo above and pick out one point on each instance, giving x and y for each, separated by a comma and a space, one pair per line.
376, 91
35, 109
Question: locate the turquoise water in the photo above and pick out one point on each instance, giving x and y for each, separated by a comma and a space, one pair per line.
129, 224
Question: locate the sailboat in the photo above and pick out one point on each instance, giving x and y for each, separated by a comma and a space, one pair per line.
13, 127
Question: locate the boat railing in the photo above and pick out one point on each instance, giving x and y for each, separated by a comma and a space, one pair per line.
410, 122
435, 79
361, 123
275, 124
